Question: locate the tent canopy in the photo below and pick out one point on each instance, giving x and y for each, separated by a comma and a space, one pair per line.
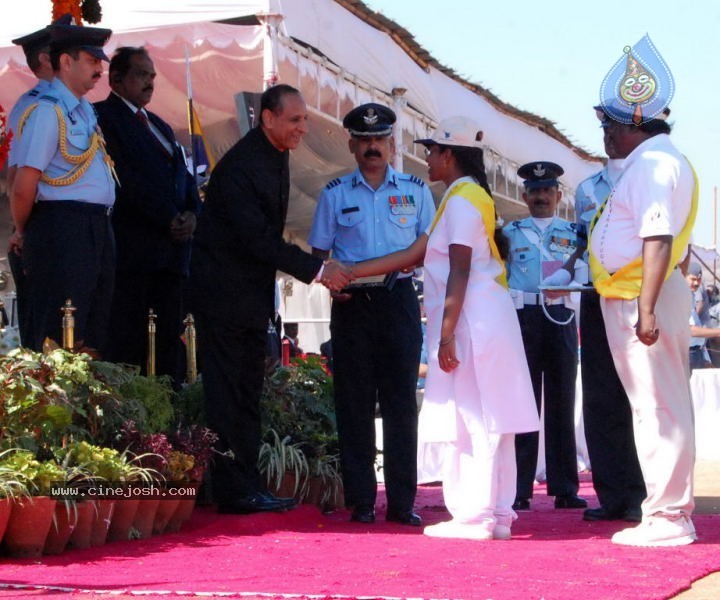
338, 53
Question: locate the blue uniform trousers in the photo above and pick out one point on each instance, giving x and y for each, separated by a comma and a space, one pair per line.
551, 352
616, 474
376, 342
69, 252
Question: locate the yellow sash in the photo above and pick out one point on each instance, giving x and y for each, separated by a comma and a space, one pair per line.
625, 283
480, 199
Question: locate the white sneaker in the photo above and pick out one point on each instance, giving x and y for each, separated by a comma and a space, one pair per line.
458, 530
501, 532
656, 531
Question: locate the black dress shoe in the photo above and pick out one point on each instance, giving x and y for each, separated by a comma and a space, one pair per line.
569, 502
602, 514
253, 503
363, 514
286, 502
632, 515
406, 517
521, 504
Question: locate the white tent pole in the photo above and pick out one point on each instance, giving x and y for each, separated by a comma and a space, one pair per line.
270, 22
399, 104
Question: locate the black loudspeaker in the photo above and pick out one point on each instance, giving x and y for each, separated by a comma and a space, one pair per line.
247, 105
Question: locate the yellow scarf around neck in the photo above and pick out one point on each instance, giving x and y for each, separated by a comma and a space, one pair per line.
480, 199
625, 283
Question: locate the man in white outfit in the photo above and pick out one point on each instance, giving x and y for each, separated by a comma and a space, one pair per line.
636, 245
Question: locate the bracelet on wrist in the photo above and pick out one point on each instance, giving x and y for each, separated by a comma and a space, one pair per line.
447, 341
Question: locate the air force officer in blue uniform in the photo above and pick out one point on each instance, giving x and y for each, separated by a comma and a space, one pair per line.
375, 329
63, 195
538, 245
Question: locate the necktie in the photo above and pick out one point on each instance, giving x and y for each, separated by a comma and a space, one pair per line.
142, 117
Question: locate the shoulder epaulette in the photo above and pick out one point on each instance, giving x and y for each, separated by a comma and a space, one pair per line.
333, 183
33, 93
413, 178
49, 98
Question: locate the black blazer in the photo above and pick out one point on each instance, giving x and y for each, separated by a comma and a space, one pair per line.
154, 188
239, 245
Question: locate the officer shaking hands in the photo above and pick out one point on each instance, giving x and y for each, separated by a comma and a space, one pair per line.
375, 328
538, 246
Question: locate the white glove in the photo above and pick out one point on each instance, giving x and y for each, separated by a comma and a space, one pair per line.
561, 277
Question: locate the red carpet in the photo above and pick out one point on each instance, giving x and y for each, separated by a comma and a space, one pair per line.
553, 555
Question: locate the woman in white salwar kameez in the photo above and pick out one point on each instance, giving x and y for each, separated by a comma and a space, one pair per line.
478, 392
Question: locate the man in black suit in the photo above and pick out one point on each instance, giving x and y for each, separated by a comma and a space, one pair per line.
237, 249
154, 218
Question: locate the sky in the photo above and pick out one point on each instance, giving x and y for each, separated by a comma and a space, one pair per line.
550, 57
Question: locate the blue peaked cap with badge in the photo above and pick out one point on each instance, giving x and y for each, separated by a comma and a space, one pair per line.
88, 39
639, 86
37, 40
370, 119
540, 174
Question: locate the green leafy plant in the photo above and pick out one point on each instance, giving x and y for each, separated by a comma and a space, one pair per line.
190, 405
298, 402
11, 485
155, 394
278, 457
298, 419
36, 477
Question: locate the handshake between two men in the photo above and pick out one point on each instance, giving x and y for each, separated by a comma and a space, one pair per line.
335, 275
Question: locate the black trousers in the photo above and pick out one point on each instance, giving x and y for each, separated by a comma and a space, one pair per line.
135, 294
17, 269
233, 367
68, 253
616, 474
551, 352
376, 342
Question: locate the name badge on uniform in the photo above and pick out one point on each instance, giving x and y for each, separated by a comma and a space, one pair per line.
402, 205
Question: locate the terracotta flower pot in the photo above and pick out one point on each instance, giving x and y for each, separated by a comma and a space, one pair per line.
29, 525
80, 537
122, 519
165, 511
5, 510
184, 511
145, 516
101, 521
63, 524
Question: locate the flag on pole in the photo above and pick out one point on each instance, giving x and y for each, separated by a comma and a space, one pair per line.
201, 153
203, 160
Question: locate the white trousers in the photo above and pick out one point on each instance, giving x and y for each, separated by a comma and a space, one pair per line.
656, 380
479, 478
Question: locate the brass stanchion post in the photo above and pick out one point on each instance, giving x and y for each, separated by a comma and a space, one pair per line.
152, 329
68, 325
190, 348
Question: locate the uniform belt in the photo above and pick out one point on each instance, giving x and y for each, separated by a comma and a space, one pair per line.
536, 299
364, 286
378, 284
78, 206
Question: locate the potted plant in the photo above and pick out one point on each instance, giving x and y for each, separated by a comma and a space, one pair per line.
32, 514
198, 443
283, 465
298, 417
10, 488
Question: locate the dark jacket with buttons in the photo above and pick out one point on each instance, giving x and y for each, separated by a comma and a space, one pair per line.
239, 245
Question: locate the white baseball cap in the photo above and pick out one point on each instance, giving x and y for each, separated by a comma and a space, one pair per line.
455, 131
